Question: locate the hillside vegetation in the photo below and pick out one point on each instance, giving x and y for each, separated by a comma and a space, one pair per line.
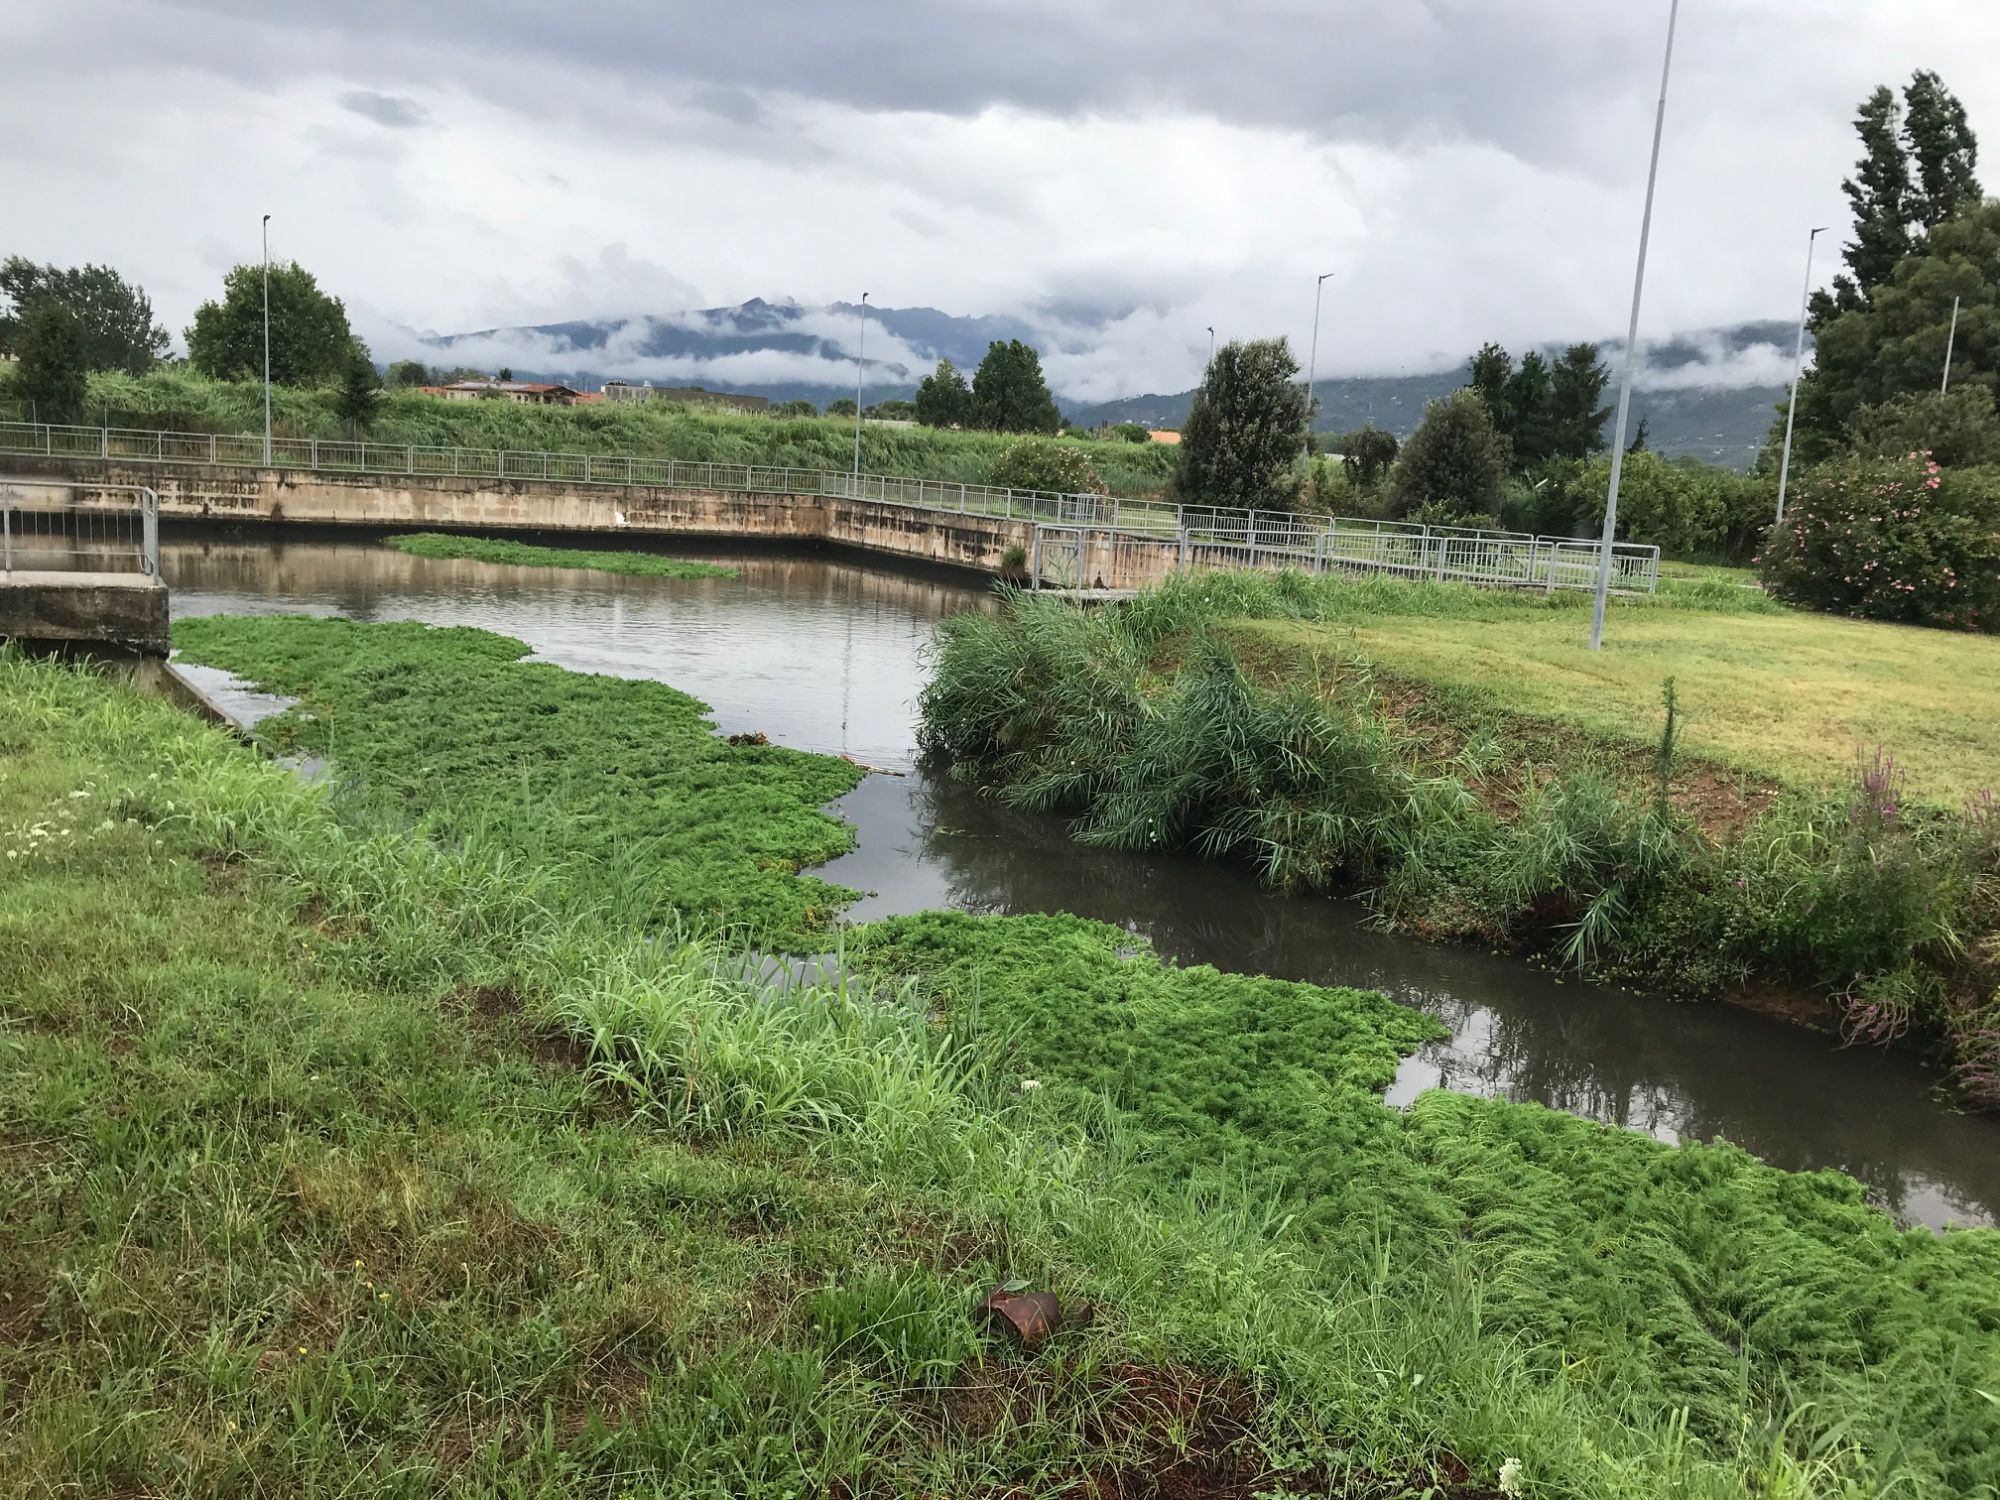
181, 401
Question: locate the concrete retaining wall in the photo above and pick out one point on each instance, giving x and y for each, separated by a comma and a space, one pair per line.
97, 609
447, 504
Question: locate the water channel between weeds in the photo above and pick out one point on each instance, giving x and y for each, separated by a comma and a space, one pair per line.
824, 654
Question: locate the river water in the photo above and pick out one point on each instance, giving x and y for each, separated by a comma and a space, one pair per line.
826, 654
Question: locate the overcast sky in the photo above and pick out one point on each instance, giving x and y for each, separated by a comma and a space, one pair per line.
1470, 169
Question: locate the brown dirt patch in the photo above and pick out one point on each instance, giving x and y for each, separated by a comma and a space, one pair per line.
500, 1013
1188, 1436
20, 1311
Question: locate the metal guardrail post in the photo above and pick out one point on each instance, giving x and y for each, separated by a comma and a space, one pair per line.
7, 532
149, 533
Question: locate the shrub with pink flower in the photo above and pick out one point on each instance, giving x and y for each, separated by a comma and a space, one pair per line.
1892, 539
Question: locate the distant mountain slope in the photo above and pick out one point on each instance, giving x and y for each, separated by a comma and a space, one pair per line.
1723, 424
1709, 395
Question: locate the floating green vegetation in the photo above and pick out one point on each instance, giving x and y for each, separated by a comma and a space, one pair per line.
521, 554
616, 787
1692, 1279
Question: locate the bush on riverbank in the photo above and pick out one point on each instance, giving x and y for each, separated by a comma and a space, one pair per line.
351, 1154
1154, 728
1682, 506
178, 400
1898, 539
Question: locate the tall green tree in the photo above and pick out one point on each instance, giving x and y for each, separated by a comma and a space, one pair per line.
1944, 153
114, 318
1545, 410
310, 339
943, 398
360, 393
1878, 194
1576, 389
1490, 371
1917, 169
1529, 411
1366, 455
404, 373
55, 362
1241, 442
1893, 344
1457, 459
1008, 392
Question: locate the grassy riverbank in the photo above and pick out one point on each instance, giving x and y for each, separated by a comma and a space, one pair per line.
522, 555
182, 401
359, 1160
1288, 722
1776, 692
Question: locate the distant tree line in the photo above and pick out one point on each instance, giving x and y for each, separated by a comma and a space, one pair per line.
1007, 393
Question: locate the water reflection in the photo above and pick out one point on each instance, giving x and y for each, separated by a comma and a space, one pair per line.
817, 652
823, 653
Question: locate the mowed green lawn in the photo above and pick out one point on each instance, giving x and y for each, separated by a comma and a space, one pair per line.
1793, 695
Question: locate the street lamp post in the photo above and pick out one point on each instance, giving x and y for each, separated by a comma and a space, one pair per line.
267, 341
1950, 340
1798, 368
861, 348
1211, 345
1312, 360
1312, 375
1631, 348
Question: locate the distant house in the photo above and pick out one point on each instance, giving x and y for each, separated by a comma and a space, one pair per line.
687, 395
1160, 435
526, 392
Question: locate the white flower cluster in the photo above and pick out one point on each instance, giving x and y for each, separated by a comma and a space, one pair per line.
57, 831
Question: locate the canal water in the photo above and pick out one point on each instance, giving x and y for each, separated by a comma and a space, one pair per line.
827, 654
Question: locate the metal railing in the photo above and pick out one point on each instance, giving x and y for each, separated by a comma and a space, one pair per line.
51, 527
1204, 534
321, 455
1486, 559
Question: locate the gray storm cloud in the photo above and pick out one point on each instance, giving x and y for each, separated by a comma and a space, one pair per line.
1472, 171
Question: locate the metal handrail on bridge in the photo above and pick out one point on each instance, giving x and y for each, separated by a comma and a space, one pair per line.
1406, 548
67, 532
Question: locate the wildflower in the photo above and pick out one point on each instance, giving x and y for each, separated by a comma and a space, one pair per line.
1029, 1085
1512, 1479
76, 794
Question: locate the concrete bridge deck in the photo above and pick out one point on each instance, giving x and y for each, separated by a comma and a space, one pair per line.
418, 502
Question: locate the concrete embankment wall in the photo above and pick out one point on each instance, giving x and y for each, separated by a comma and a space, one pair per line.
126, 610
448, 504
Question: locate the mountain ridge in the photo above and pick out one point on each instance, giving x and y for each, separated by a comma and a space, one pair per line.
1707, 394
